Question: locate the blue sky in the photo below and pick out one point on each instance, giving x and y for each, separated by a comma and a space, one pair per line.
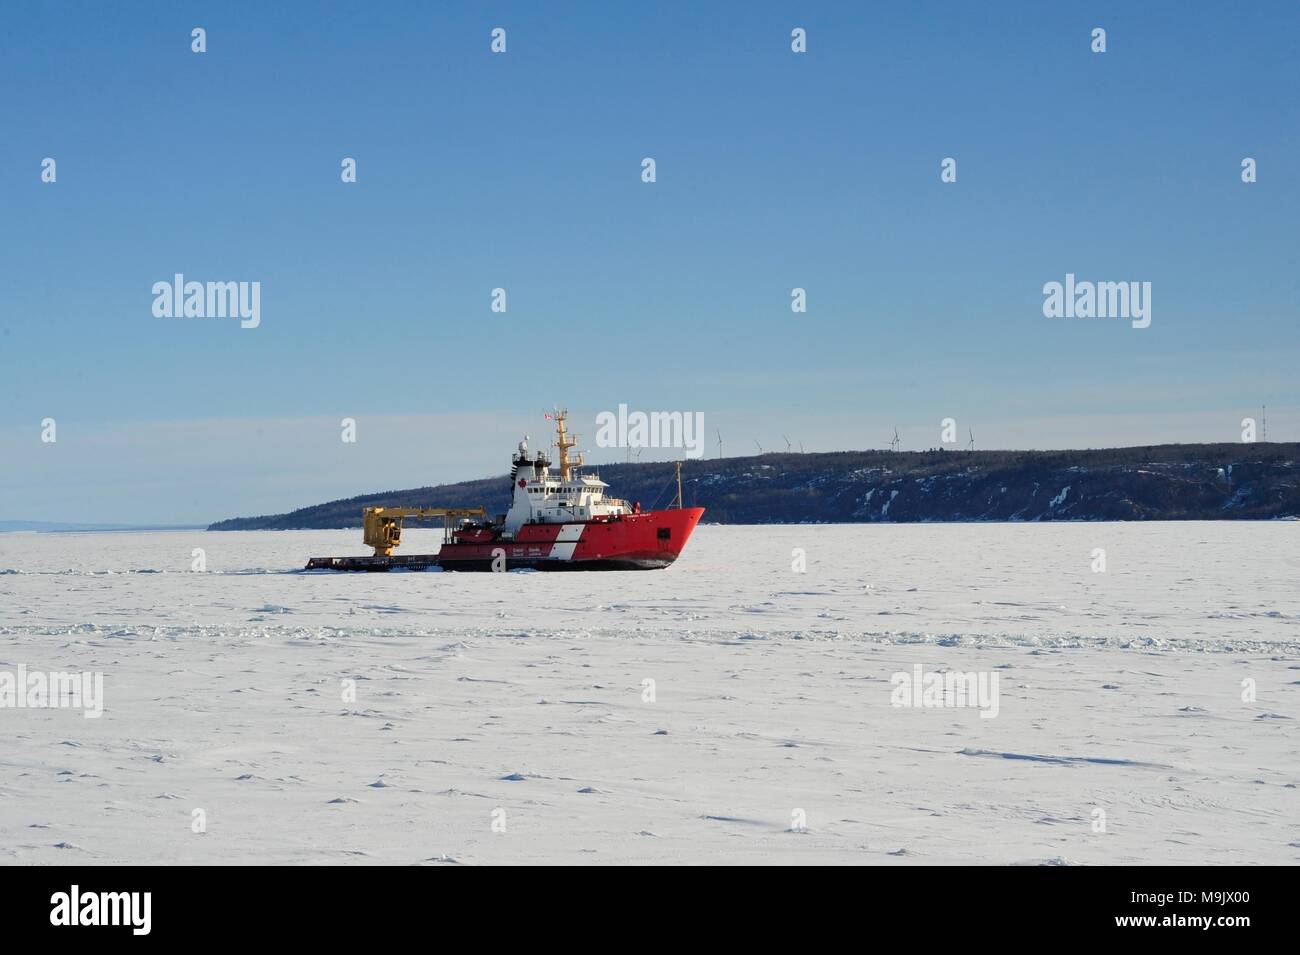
522, 171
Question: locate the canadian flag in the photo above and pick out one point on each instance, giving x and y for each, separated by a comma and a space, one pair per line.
547, 416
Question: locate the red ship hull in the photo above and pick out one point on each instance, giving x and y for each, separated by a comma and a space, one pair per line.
645, 541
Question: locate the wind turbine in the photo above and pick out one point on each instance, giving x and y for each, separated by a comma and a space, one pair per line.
893, 445
971, 446
719, 443
787, 444
759, 446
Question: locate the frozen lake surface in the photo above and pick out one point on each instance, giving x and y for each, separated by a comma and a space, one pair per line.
1146, 713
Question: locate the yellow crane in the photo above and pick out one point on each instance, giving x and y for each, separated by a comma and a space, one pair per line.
382, 526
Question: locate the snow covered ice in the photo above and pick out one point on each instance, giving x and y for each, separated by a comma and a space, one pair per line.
727, 709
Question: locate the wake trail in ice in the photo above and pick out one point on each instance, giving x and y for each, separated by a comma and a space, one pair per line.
1041, 643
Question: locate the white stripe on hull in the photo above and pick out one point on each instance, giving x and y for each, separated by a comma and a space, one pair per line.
566, 542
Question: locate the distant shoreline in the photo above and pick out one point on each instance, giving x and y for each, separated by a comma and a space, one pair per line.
1238, 481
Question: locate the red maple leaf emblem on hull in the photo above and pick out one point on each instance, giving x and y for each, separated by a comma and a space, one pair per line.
523, 483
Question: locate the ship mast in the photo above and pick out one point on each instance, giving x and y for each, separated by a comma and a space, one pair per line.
564, 442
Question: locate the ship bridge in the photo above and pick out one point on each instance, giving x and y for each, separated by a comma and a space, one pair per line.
543, 496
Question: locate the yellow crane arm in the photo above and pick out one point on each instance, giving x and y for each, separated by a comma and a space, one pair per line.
382, 526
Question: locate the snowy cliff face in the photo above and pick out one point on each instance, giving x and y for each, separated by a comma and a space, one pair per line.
1170, 482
